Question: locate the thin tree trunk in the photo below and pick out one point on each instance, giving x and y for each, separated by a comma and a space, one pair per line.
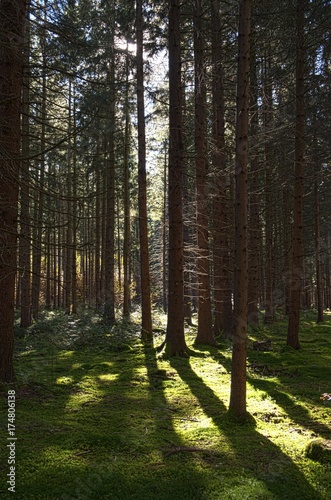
39, 194
319, 295
237, 404
25, 245
127, 218
146, 313
297, 246
254, 206
269, 179
109, 309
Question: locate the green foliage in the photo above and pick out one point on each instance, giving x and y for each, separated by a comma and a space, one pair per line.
99, 415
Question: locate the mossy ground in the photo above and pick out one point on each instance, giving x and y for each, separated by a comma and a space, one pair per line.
98, 415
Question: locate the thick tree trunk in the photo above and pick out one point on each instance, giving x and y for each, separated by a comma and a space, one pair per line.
205, 330
175, 339
297, 246
12, 19
146, 326
223, 316
237, 404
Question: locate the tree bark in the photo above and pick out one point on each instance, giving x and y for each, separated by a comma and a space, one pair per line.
297, 246
25, 234
146, 320
175, 339
12, 21
223, 316
237, 404
254, 202
205, 330
126, 201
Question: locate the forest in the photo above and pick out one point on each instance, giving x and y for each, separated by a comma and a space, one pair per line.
165, 249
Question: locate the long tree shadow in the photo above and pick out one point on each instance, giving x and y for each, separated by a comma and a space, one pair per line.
281, 476
296, 412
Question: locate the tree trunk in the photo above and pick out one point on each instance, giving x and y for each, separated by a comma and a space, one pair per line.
175, 338
222, 298
25, 245
146, 326
319, 296
109, 309
127, 220
12, 20
205, 330
297, 246
237, 404
254, 205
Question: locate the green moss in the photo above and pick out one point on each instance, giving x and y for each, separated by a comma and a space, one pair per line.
98, 415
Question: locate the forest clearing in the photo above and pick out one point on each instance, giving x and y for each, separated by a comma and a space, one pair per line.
100, 415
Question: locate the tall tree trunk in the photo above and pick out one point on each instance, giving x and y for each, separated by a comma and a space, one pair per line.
269, 180
39, 194
297, 246
98, 227
127, 219
12, 20
164, 234
175, 338
109, 309
205, 330
146, 313
319, 296
237, 404
254, 205
69, 229
222, 295
25, 245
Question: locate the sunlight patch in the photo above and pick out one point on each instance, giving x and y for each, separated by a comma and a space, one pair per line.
109, 377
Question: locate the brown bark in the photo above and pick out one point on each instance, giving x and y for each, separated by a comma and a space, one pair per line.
109, 308
319, 296
25, 234
175, 339
126, 242
269, 179
254, 205
146, 320
221, 264
297, 247
12, 18
205, 331
237, 404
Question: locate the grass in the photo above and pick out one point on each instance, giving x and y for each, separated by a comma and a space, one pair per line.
98, 416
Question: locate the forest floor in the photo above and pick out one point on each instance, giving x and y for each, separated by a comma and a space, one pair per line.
99, 416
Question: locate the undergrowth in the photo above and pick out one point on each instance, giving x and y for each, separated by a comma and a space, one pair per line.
98, 415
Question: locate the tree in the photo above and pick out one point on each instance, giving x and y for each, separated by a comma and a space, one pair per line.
25, 232
205, 330
297, 246
175, 339
146, 327
237, 404
12, 21
220, 202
